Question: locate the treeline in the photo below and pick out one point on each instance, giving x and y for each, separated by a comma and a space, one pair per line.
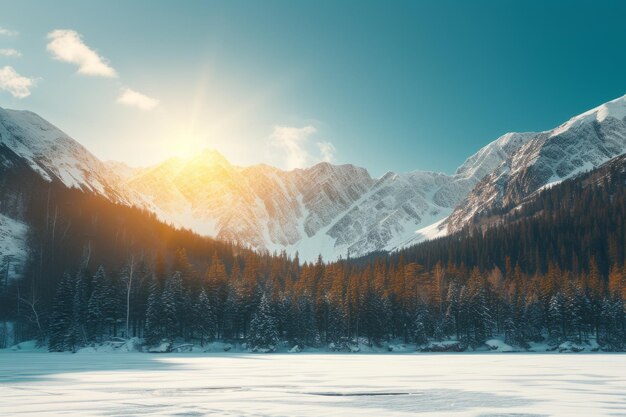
269, 300
69, 227
551, 271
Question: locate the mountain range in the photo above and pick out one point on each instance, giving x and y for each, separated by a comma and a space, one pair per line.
329, 210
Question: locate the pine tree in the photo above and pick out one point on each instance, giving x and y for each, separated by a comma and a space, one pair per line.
77, 333
154, 320
376, 317
453, 310
61, 317
306, 329
172, 306
205, 321
96, 306
419, 327
556, 316
263, 335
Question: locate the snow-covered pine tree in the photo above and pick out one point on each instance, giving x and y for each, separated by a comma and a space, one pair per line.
204, 318
534, 320
172, 305
375, 316
306, 329
419, 326
154, 322
453, 310
263, 334
77, 334
286, 315
556, 317
96, 306
511, 331
61, 316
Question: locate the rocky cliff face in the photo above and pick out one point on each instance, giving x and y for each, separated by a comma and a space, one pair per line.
332, 210
545, 158
260, 206
55, 156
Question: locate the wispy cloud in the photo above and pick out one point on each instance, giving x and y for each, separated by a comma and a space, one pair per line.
68, 46
8, 32
10, 52
17, 85
327, 151
290, 141
291, 146
136, 99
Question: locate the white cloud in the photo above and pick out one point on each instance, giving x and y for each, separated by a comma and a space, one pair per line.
327, 151
17, 85
68, 46
292, 148
290, 141
136, 99
7, 32
10, 52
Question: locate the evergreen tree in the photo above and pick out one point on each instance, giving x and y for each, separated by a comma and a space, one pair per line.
556, 316
96, 310
61, 317
263, 335
154, 321
205, 320
172, 305
77, 333
419, 327
306, 329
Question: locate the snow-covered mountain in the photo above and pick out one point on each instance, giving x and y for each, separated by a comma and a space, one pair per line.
54, 155
332, 210
260, 206
27, 140
546, 158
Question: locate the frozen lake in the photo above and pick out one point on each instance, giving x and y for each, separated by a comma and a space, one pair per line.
125, 384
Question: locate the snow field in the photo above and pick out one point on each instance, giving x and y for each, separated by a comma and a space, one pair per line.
132, 384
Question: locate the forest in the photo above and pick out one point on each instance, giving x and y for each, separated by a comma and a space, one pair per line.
549, 271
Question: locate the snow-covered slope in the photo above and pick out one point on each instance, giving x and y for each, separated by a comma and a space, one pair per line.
54, 155
325, 209
545, 158
260, 206
332, 210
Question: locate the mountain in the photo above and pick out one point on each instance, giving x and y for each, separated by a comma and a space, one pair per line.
547, 158
332, 210
260, 206
575, 225
56, 156
29, 146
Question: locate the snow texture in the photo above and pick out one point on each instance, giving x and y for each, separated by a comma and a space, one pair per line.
544, 159
92, 384
332, 210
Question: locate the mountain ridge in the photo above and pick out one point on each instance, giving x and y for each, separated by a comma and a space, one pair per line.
332, 210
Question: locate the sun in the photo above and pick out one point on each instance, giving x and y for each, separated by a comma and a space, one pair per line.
185, 144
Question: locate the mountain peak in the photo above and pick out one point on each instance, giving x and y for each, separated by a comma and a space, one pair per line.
615, 108
211, 155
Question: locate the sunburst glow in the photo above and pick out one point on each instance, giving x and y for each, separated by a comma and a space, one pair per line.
185, 144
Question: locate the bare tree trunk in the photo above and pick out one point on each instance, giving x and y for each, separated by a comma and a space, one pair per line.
129, 284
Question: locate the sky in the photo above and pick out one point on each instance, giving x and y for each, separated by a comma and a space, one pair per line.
387, 85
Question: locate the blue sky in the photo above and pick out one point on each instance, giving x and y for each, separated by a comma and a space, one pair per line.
386, 85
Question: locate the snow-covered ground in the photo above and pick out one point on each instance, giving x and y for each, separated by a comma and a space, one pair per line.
514, 384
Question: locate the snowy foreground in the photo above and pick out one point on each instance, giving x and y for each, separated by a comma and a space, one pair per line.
125, 384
